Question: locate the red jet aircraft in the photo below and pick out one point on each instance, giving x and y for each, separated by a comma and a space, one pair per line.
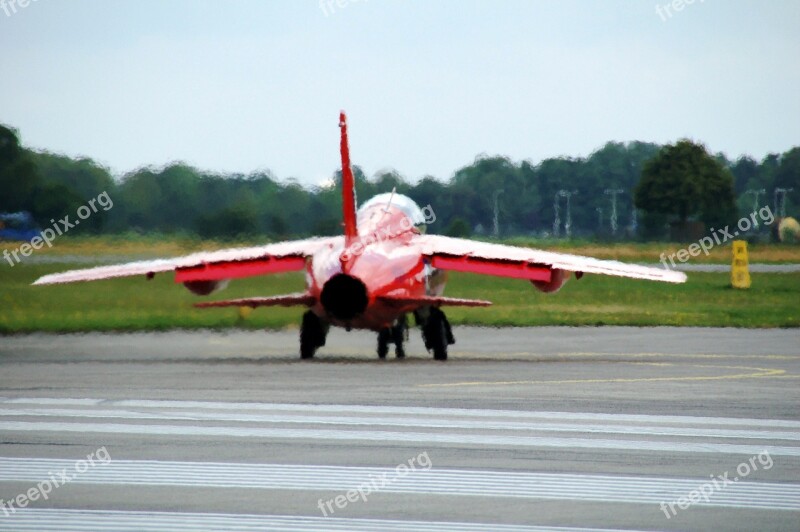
380, 270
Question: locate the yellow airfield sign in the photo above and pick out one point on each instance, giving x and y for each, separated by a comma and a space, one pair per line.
740, 271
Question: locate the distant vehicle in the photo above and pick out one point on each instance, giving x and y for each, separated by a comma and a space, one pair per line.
17, 226
380, 270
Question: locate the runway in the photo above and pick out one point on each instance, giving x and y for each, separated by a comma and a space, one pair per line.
522, 429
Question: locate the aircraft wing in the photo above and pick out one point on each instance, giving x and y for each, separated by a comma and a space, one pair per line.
401, 300
525, 263
208, 265
287, 300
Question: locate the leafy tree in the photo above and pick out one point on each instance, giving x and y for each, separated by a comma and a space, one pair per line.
19, 178
67, 184
431, 192
683, 181
745, 174
83, 176
767, 171
53, 201
387, 180
474, 188
677, 183
139, 204
788, 176
229, 222
459, 227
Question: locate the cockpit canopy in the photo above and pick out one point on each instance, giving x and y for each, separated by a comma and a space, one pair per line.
398, 201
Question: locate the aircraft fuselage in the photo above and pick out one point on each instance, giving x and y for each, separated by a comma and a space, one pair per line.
346, 280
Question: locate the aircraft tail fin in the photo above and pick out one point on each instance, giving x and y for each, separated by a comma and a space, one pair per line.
348, 185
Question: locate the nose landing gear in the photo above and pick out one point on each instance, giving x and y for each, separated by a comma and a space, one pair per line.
395, 334
436, 333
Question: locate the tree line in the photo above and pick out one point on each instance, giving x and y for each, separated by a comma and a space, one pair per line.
656, 185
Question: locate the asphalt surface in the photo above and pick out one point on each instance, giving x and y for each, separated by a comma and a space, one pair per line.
522, 429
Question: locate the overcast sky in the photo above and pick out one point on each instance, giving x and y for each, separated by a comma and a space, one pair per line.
238, 86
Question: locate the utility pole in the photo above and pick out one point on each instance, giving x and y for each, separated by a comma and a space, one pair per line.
756, 193
557, 221
613, 193
781, 192
568, 224
496, 216
783, 204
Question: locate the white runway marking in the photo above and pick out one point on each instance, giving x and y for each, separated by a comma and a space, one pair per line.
398, 426
402, 421
41, 520
544, 486
415, 438
405, 410
406, 426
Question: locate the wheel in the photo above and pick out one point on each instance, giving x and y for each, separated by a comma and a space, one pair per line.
435, 334
448, 330
440, 345
312, 335
383, 342
399, 336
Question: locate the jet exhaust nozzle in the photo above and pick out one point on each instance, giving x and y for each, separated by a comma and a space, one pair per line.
344, 297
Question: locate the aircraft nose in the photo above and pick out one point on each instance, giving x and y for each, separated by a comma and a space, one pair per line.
344, 297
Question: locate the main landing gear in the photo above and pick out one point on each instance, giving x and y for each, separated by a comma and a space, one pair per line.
313, 332
437, 333
395, 334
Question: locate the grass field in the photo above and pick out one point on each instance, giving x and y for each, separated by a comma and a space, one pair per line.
137, 304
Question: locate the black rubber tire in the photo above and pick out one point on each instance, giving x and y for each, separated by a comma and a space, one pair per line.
448, 330
435, 333
312, 335
384, 337
440, 347
398, 332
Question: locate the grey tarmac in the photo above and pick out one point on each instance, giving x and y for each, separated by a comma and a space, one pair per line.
546, 428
